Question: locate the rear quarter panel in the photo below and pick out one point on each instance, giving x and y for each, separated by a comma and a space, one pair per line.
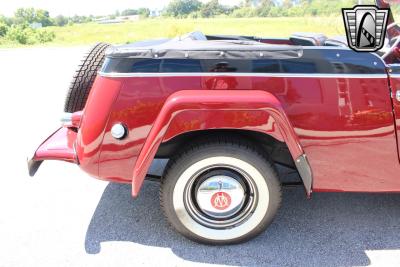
338, 102
345, 125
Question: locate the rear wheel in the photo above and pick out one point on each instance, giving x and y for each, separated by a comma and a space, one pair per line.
221, 192
84, 78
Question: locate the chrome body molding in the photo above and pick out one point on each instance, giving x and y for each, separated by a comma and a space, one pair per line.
236, 74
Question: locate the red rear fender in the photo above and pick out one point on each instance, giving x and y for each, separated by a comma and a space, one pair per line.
221, 104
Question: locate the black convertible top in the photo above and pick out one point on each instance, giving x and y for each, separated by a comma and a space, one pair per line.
180, 48
194, 52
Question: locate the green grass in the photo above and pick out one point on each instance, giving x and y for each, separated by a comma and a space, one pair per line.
89, 33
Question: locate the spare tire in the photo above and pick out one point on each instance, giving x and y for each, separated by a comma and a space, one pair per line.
84, 78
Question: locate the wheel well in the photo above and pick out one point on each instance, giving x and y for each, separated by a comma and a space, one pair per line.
277, 151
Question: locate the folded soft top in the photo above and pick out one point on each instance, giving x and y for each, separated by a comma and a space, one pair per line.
204, 49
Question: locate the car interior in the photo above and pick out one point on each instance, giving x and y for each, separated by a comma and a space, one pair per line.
298, 39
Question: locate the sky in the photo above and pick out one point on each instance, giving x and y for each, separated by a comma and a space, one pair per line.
86, 7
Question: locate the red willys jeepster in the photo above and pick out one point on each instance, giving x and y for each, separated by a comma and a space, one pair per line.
225, 111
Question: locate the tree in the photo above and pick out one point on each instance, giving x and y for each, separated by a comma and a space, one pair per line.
3, 29
80, 19
212, 9
182, 8
43, 17
30, 15
5, 20
24, 15
251, 3
129, 12
267, 3
287, 4
265, 8
61, 20
144, 12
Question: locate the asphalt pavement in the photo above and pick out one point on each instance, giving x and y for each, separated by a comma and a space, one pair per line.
63, 217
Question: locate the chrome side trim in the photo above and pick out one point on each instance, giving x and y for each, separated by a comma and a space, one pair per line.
236, 74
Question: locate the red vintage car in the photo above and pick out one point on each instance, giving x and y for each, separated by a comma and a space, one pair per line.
225, 111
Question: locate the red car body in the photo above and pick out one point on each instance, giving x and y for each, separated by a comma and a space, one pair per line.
304, 112
341, 127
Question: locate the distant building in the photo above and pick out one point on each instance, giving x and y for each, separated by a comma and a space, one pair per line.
155, 13
36, 25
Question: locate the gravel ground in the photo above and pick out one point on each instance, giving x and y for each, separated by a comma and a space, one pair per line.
62, 217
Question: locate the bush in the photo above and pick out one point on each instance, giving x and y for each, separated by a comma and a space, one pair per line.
276, 12
3, 29
296, 11
44, 36
25, 35
244, 12
21, 35
263, 11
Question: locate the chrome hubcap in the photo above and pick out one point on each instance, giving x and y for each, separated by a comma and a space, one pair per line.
220, 197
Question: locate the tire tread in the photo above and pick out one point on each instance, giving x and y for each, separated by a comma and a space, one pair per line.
84, 78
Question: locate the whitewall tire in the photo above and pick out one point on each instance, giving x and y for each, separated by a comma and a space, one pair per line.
220, 192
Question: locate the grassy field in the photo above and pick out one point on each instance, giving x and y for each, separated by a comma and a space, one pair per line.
80, 34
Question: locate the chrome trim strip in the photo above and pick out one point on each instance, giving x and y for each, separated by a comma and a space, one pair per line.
237, 74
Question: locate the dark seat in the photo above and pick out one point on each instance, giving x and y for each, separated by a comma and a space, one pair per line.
308, 39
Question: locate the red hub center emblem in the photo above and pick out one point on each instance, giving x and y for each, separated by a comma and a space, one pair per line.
221, 201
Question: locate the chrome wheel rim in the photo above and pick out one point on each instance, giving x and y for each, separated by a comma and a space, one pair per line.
220, 196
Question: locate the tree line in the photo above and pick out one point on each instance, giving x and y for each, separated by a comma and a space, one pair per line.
21, 27
258, 8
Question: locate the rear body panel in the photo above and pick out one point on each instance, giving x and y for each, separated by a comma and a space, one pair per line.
92, 129
336, 101
345, 125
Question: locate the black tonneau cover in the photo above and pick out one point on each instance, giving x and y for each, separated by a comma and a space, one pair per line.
204, 49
